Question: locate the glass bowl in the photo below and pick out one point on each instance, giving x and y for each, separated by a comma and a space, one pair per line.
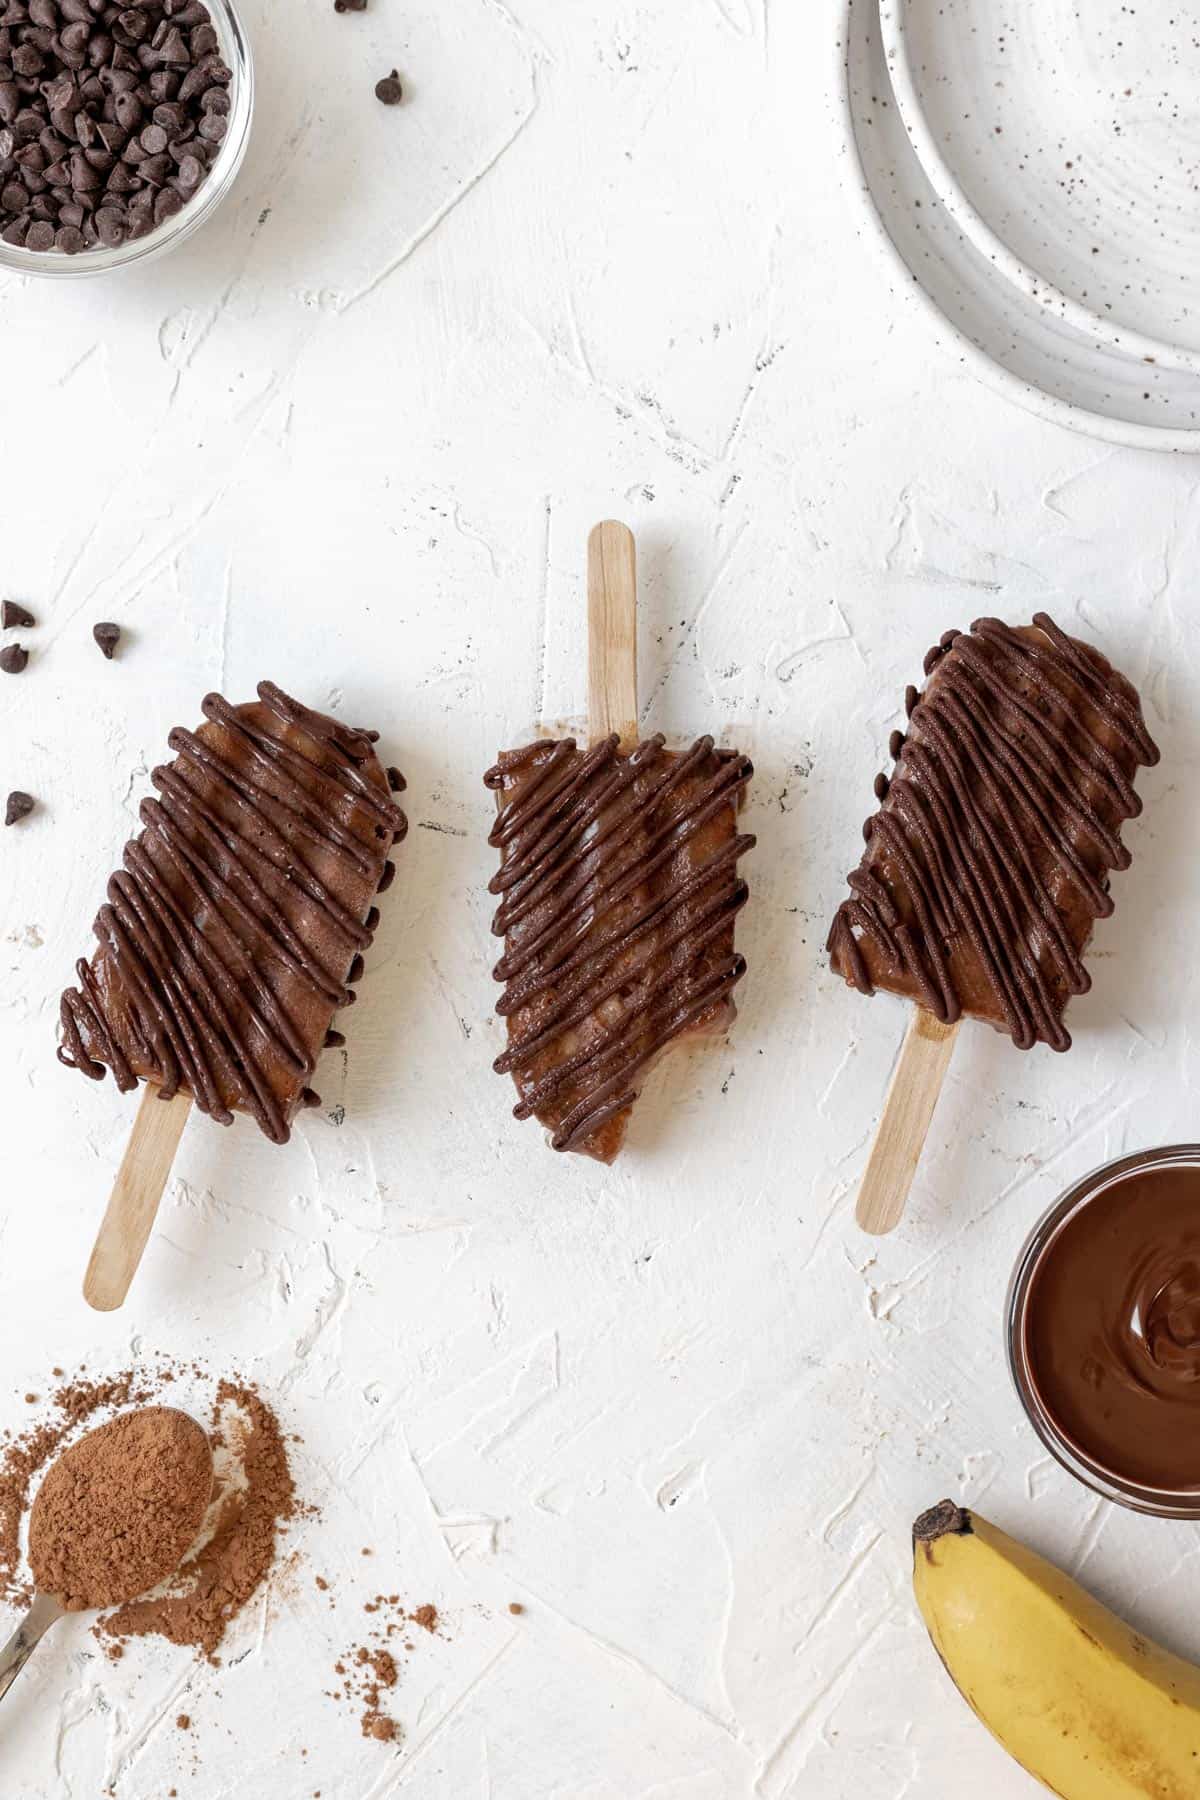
1163, 1503
235, 49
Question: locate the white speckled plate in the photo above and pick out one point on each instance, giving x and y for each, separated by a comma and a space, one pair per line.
1000, 330
1063, 137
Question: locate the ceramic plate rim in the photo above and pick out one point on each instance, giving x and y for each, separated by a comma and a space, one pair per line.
1179, 440
893, 15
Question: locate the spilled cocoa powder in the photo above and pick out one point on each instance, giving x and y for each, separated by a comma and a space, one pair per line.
213, 1586
369, 1672
253, 1502
119, 1510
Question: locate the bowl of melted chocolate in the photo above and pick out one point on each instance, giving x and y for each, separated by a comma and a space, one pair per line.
1104, 1330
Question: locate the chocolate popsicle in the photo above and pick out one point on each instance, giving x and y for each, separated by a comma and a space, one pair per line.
987, 863
237, 922
619, 894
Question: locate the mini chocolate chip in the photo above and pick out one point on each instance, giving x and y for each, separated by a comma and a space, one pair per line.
40, 236
387, 878
153, 140
108, 637
372, 919
389, 90
17, 807
15, 233
110, 227
128, 110
191, 172
356, 969
396, 781
14, 616
334, 1039
167, 204
14, 656
349, 5
69, 239
213, 126
309, 1097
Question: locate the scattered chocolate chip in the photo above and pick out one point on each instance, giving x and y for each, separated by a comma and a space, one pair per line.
108, 637
389, 90
13, 616
13, 658
19, 806
334, 1039
356, 969
396, 781
387, 878
349, 5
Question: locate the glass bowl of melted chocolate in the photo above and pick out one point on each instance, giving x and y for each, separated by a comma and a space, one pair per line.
1104, 1331
123, 124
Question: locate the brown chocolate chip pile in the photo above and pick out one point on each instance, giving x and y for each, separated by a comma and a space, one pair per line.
110, 117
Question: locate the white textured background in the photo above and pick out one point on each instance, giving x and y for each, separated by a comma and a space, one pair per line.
352, 438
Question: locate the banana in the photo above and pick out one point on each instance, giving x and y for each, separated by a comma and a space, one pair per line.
1088, 1706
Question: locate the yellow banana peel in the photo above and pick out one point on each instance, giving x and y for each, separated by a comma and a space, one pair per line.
1087, 1705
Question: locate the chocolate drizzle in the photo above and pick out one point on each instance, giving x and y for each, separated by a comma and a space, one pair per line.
240, 913
987, 863
619, 894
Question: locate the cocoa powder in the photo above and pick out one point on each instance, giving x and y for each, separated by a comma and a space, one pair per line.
253, 1501
234, 1560
119, 1509
25, 1454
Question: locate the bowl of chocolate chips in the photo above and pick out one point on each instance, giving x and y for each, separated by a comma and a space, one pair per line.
122, 127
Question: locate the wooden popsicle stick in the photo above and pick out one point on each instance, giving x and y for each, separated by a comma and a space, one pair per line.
900, 1136
126, 1224
612, 633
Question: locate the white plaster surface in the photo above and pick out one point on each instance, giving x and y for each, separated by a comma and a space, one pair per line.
352, 438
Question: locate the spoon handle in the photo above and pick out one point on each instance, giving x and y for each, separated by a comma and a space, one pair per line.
24, 1640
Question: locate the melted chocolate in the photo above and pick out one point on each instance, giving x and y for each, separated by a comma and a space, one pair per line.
987, 863
620, 891
240, 914
1112, 1328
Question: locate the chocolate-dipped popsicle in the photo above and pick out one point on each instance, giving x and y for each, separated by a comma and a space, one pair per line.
988, 861
234, 928
619, 891
619, 888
